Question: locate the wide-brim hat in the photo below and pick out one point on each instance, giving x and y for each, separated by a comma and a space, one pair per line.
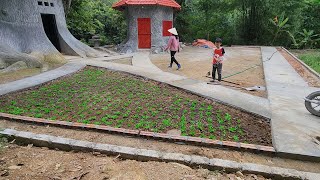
173, 31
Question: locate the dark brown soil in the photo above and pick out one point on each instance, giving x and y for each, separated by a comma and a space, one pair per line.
99, 96
301, 70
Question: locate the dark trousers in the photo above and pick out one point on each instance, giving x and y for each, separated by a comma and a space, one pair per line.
218, 68
173, 59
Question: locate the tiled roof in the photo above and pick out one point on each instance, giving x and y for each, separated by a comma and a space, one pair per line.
168, 3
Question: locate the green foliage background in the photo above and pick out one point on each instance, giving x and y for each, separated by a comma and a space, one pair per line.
96, 17
243, 22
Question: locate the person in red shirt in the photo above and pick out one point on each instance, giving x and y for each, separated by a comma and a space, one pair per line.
217, 60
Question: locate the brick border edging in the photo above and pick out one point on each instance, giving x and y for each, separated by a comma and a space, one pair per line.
166, 137
257, 149
66, 144
302, 63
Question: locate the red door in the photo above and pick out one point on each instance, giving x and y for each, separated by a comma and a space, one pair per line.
144, 33
166, 25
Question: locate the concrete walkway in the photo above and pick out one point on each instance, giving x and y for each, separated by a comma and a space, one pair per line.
111, 58
141, 59
293, 128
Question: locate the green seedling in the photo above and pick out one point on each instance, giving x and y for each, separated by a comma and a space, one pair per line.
227, 117
192, 131
126, 115
236, 138
98, 112
211, 129
39, 115
221, 128
13, 103
114, 117
166, 122
200, 126
147, 125
86, 122
92, 118
17, 111
139, 125
208, 113
118, 113
232, 129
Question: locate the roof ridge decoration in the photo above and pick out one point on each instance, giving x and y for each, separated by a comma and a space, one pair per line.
167, 3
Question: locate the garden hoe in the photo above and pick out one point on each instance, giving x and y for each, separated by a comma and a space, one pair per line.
208, 76
236, 85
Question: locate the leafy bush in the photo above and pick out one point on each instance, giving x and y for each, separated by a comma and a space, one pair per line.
306, 39
96, 17
235, 21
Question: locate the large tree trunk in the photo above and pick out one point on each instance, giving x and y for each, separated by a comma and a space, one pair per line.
9, 57
67, 5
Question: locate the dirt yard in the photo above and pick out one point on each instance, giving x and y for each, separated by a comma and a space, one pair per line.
24, 73
101, 137
13, 76
196, 62
24, 163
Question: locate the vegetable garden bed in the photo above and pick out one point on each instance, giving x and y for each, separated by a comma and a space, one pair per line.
104, 97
